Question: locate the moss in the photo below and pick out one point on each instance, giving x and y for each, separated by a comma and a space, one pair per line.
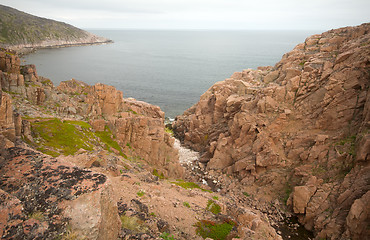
188, 185
213, 207
106, 137
46, 81
169, 131
140, 193
55, 136
160, 176
132, 111
133, 223
167, 236
216, 231
186, 204
79, 123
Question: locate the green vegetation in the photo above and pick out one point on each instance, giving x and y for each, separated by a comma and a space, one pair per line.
152, 214
213, 207
140, 193
133, 223
168, 130
347, 145
186, 204
72, 235
55, 137
216, 231
106, 137
21, 28
160, 176
287, 191
132, 111
246, 194
215, 197
302, 63
167, 236
37, 216
188, 185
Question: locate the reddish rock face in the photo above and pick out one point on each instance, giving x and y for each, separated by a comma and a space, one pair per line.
40, 195
35, 188
261, 124
9, 62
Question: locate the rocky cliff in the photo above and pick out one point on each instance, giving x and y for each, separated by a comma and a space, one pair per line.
82, 162
20, 31
297, 132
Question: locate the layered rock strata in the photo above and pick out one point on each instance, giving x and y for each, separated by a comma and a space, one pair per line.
300, 129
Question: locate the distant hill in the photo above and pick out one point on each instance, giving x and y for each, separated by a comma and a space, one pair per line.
19, 30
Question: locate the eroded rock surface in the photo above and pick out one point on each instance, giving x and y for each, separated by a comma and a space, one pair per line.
275, 128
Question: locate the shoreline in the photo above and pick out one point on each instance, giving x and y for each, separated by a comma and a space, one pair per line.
23, 50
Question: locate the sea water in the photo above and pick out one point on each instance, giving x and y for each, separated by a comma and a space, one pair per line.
168, 68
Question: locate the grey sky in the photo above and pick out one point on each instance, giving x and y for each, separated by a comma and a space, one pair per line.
201, 14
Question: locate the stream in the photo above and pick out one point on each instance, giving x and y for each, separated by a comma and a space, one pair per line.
288, 229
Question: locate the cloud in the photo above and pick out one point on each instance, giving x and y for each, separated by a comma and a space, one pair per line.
209, 14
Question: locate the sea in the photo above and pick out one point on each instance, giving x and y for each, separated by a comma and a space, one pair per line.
168, 68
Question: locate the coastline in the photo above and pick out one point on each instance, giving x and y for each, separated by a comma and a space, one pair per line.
23, 49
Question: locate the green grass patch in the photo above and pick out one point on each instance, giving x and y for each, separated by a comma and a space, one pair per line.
215, 197
55, 136
186, 204
79, 123
189, 185
167, 236
246, 194
213, 207
216, 231
140, 193
106, 137
156, 173
168, 130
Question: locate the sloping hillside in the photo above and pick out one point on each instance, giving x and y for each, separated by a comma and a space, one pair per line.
22, 30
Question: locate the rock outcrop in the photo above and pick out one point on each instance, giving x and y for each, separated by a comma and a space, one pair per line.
136, 126
48, 198
299, 128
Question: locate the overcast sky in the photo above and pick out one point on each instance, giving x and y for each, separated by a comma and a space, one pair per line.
200, 14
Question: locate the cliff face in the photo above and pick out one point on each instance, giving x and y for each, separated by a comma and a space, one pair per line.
19, 30
80, 161
300, 129
136, 126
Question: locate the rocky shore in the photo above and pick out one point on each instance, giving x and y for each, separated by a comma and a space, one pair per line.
267, 145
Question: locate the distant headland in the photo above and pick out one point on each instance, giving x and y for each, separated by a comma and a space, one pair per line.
24, 32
